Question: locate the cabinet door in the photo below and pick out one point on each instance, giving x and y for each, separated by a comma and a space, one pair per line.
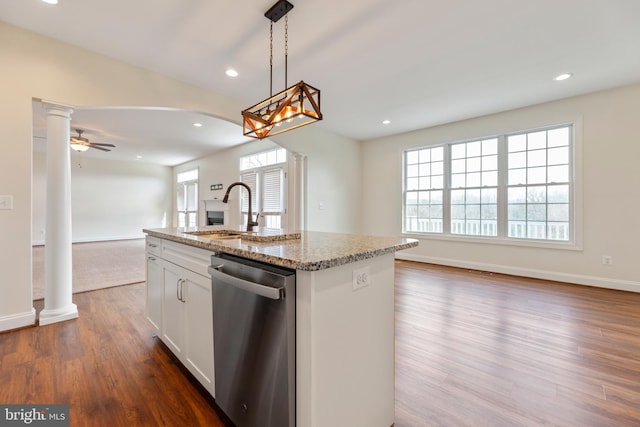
154, 292
199, 329
173, 308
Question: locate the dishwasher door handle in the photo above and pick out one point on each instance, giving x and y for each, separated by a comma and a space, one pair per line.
245, 285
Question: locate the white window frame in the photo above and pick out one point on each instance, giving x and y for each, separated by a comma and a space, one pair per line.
186, 184
259, 165
575, 201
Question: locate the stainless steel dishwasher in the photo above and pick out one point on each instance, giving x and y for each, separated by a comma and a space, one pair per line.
254, 341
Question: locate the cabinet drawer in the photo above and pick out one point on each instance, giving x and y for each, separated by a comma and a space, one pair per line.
153, 245
189, 257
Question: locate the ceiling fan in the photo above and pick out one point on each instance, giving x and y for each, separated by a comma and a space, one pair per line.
80, 143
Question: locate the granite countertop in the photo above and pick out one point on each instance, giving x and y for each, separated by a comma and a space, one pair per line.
306, 250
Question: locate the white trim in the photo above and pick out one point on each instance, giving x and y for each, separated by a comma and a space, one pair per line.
98, 239
596, 281
19, 320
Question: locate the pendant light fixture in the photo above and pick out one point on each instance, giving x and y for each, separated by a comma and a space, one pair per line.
295, 106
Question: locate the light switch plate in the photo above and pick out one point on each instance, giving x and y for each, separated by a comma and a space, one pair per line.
6, 203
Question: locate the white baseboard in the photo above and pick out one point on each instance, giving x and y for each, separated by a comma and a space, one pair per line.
96, 239
600, 282
16, 321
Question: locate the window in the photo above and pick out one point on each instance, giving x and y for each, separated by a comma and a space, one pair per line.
265, 174
515, 186
187, 198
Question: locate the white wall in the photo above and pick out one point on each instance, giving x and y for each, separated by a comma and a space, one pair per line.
110, 199
333, 181
223, 168
610, 137
32, 66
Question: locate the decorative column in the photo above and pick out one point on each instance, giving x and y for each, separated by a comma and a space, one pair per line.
57, 250
299, 192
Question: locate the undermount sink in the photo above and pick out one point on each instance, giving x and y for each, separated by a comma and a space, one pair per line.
218, 235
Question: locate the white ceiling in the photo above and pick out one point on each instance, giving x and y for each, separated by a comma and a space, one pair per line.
417, 63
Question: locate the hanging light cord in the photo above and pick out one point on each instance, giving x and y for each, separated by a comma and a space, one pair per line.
286, 48
271, 60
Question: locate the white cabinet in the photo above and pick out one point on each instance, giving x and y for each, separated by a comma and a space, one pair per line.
154, 292
180, 307
173, 309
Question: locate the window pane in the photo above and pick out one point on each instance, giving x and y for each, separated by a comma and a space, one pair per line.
473, 196
558, 137
517, 143
490, 179
489, 212
437, 181
458, 180
437, 154
537, 175
472, 211
473, 179
536, 212
458, 166
558, 194
517, 195
558, 212
537, 140
559, 156
458, 151
517, 176
558, 174
413, 157
490, 163
457, 196
437, 168
518, 212
517, 160
489, 196
473, 149
537, 158
490, 146
473, 164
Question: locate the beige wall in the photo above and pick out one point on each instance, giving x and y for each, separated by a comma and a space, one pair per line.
31, 67
608, 132
110, 199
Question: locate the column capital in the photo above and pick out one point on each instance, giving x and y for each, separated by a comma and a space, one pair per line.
57, 109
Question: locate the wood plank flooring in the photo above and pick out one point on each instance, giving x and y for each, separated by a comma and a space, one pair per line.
472, 349
106, 365
481, 349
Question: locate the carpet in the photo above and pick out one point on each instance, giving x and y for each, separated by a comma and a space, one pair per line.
97, 265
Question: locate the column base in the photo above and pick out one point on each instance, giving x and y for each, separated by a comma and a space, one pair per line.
48, 317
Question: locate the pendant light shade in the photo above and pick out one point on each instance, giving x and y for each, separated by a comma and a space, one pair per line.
292, 108
296, 106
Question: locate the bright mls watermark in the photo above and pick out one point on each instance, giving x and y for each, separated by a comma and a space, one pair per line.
34, 415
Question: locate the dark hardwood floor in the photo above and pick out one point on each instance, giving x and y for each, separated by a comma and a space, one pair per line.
472, 349
106, 365
481, 349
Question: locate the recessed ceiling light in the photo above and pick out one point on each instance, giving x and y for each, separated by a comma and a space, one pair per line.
198, 125
386, 122
564, 76
138, 157
51, 1
231, 72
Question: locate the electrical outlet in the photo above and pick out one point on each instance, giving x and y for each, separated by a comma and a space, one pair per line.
361, 278
607, 260
6, 203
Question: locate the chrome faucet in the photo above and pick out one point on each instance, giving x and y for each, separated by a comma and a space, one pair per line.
250, 222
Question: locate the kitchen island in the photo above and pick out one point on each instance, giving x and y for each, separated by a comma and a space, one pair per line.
344, 313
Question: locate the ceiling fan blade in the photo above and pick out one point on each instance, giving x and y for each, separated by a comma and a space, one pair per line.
98, 148
101, 144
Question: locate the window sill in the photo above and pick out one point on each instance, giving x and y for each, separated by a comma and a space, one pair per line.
558, 245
